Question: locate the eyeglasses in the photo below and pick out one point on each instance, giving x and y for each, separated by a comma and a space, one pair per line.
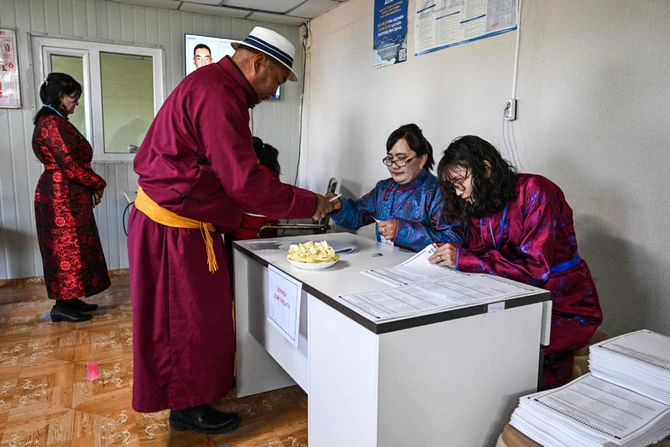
459, 186
399, 162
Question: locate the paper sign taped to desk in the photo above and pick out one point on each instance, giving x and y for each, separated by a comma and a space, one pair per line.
284, 294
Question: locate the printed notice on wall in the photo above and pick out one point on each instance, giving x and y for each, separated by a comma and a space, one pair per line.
284, 295
390, 32
10, 94
444, 23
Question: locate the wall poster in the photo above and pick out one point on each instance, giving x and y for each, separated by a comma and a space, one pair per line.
10, 92
444, 23
389, 44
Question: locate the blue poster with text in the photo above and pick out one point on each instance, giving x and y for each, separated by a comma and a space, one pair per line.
390, 32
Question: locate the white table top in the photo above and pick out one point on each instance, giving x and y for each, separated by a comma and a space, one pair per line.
345, 277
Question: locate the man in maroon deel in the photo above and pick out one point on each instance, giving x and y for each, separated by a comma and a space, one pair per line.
197, 171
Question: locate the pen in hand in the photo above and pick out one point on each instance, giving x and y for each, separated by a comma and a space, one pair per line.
334, 198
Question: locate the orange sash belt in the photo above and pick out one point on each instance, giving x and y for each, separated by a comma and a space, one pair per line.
165, 217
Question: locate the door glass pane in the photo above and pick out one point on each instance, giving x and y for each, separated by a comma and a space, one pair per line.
74, 66
127, 99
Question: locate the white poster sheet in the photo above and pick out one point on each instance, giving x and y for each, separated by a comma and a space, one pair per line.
10, 92
284, 294
444, 23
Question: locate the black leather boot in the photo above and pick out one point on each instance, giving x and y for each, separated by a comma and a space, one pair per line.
82, 306
203, 419
66, 314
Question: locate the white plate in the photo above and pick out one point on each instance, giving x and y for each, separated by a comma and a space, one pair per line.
312, 265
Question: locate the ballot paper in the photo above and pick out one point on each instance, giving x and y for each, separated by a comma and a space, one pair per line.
415, 270
638, 360
591, 412
422, 288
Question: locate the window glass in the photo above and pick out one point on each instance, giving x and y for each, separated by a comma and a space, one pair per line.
123, 88
74, 66
127, 99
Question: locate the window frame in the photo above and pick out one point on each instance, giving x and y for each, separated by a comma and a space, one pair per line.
43, 47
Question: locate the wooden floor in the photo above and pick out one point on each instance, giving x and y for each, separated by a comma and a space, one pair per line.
46, 400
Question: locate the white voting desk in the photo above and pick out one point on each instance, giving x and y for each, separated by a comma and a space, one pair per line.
451, 378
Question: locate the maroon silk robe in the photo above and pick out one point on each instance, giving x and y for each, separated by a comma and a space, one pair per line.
74, 264
196, 160
533, 241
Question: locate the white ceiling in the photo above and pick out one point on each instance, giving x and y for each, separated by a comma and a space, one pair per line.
290, 12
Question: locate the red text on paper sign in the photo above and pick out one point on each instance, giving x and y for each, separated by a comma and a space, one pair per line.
280, 297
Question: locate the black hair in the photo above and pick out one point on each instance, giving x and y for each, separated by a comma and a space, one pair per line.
267, 155
415, 140
201, 45
55, 85
493, 178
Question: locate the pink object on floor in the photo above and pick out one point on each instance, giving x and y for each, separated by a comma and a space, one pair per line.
91, 370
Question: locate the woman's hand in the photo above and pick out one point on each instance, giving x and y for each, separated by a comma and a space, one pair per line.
97, 196
444, 256
336, 204
388, 228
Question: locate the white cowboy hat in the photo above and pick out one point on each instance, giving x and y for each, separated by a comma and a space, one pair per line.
271, 43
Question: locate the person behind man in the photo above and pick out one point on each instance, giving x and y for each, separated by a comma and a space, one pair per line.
201, 55
407, 206
268, 161
197, 172
520, 227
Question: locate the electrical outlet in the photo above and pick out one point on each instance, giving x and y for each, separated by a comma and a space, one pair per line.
510, 110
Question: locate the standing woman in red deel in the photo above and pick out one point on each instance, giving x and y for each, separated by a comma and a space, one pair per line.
67, 191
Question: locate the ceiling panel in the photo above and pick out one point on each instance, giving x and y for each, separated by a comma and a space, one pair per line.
162, 4
280, 6
292, 12
214, 10
206, 2
314, 8
277, 18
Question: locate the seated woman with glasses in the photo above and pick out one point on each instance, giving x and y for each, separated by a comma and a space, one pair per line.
407, 207
519, 227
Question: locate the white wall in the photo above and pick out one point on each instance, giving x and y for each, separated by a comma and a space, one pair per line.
594, 107
275, 121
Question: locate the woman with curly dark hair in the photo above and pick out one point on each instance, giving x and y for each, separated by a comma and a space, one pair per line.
519, 227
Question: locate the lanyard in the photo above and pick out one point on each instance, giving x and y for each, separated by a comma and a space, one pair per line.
497, 244
392, 214
48, 106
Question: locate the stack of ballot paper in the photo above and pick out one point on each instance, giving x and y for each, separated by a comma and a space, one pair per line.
591, 412
624, 401
639, 361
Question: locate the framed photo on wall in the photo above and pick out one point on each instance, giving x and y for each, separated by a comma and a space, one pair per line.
204, 50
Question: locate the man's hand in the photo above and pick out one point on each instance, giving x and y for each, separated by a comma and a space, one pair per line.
323, 207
